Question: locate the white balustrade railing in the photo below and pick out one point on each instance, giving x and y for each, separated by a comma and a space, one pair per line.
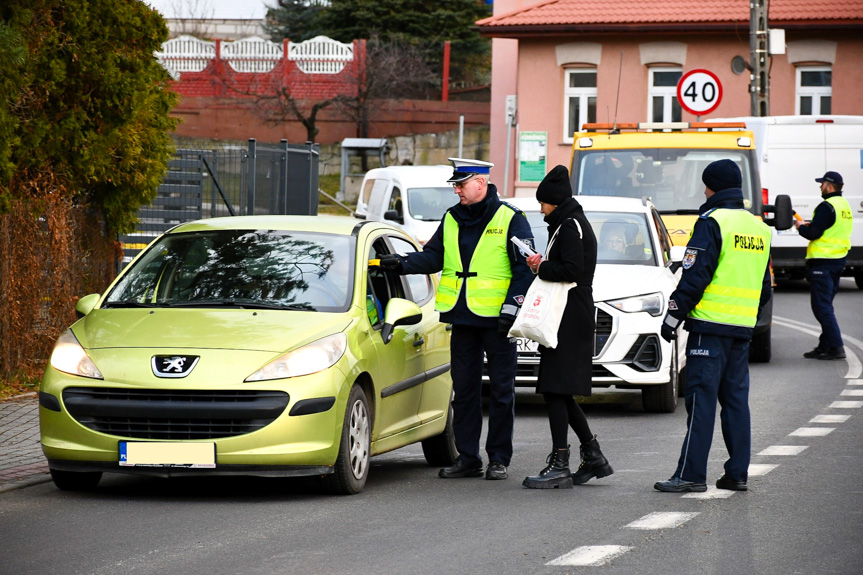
321, 55
252, 55
186, 54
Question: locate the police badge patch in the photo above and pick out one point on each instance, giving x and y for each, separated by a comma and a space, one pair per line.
689, 258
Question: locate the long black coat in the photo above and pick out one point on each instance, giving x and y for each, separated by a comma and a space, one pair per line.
567, 368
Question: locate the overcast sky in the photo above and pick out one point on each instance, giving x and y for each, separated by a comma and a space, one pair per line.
247, 9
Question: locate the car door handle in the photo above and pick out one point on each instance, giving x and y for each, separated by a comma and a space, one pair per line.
419, 342
449, 327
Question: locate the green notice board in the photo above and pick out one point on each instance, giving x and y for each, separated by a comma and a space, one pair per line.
532, 152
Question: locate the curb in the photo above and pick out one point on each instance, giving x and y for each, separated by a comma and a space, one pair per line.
25, 482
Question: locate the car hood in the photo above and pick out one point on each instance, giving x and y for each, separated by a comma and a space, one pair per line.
235, 329
612, 281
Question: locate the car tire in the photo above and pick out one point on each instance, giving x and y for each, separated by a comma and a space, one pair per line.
440, 450
352, 464
759, 347
681, 382
858, 276
663, 398
75, 480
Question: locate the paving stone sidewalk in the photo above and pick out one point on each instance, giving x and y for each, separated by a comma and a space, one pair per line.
21, 459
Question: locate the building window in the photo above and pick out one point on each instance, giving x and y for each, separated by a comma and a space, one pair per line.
662, 104
579, 101
814, 90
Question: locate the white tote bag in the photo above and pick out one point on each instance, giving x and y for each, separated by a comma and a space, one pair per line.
542, 310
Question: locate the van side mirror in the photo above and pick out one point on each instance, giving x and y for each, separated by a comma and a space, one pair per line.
394, 216
676, 261
783, 213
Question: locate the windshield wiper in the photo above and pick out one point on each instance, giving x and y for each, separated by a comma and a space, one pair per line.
129, 303
232, 303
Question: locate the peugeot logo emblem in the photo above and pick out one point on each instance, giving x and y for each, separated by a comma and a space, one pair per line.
174, 365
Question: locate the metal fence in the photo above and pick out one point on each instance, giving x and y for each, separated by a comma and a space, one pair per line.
260, 180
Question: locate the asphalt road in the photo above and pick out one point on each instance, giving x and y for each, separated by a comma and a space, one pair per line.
803, 513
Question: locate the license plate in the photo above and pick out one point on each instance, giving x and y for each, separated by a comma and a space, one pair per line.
524, 344
166, 454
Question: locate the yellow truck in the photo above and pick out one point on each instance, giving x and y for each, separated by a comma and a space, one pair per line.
664, 162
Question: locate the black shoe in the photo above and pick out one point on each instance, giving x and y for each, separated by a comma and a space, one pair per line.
496, 470
814, 353
726, 482
677, 485
835, 353
593, 463
555, 475
460, 469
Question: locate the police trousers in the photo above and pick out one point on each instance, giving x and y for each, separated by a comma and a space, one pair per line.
824, 276
467, 346
717, 369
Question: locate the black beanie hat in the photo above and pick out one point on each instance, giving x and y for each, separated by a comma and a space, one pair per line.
554, 188
721, 175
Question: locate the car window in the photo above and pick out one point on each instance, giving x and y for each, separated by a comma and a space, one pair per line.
622, 238
419, 285
429, 204
298, 270
396, 202
664, 238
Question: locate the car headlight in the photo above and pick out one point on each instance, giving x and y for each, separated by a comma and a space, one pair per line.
69, 357
651, 303
310, 358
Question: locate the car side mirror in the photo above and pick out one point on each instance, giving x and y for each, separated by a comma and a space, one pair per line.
783, 213
399, 312
394, 216
677, 253
86, 304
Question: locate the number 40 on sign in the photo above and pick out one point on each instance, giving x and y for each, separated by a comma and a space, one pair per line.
699, 92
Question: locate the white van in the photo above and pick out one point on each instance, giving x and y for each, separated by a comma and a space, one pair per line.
794, 150
413, 198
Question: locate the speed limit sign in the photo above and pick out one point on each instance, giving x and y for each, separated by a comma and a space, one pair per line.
699, 92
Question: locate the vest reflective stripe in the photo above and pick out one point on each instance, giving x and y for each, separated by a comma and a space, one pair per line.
836, 240
733, 295
486, 291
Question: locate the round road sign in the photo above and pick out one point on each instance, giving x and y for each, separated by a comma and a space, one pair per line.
699, 92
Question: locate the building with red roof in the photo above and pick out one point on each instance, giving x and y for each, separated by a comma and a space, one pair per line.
574, 61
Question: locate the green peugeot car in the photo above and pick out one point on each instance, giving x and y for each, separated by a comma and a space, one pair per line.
259, 345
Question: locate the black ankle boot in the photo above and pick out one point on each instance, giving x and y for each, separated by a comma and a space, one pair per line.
593, 463
556, 474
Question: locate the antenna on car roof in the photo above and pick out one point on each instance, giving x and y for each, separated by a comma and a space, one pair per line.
617, 100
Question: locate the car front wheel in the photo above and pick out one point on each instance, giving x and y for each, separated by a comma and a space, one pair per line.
663, 398
352, 465
440, 450
75, 480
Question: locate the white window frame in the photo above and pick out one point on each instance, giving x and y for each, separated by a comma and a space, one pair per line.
815, 92
667, 93
583, 95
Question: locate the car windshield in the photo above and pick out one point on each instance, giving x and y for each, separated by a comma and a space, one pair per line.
671, 178
242, 268
430, 204
621, 237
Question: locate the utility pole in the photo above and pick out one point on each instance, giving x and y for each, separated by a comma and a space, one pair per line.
759, 83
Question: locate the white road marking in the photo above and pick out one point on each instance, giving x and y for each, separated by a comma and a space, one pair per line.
756, 469
711, 493
661, 520
846, 404
852, 392
855, 368
854, 382
830, 419
812, 431
784, 450
591, 555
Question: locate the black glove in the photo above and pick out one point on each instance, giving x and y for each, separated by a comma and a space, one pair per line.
669, 327
504, 322
391, 263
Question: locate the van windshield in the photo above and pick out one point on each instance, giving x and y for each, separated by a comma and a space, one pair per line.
671, 178
430, 204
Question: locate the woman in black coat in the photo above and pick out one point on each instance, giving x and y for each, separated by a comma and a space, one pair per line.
566, 370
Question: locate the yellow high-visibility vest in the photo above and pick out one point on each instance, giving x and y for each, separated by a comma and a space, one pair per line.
489, 274
836, 240
733, 294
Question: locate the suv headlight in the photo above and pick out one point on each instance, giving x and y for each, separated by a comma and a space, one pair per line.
69, 357
653, 304
310, 358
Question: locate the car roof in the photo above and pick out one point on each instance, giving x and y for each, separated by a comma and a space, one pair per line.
341, 225
590, 204
414, 176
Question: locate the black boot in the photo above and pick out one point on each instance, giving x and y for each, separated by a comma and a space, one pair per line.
556, 474
593, 463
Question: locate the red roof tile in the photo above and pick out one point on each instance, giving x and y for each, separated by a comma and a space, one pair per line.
587, 13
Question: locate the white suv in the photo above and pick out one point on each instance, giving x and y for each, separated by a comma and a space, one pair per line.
637, 269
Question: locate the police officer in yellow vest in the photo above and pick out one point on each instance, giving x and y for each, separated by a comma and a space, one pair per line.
483, 281
829, 236
724, 285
